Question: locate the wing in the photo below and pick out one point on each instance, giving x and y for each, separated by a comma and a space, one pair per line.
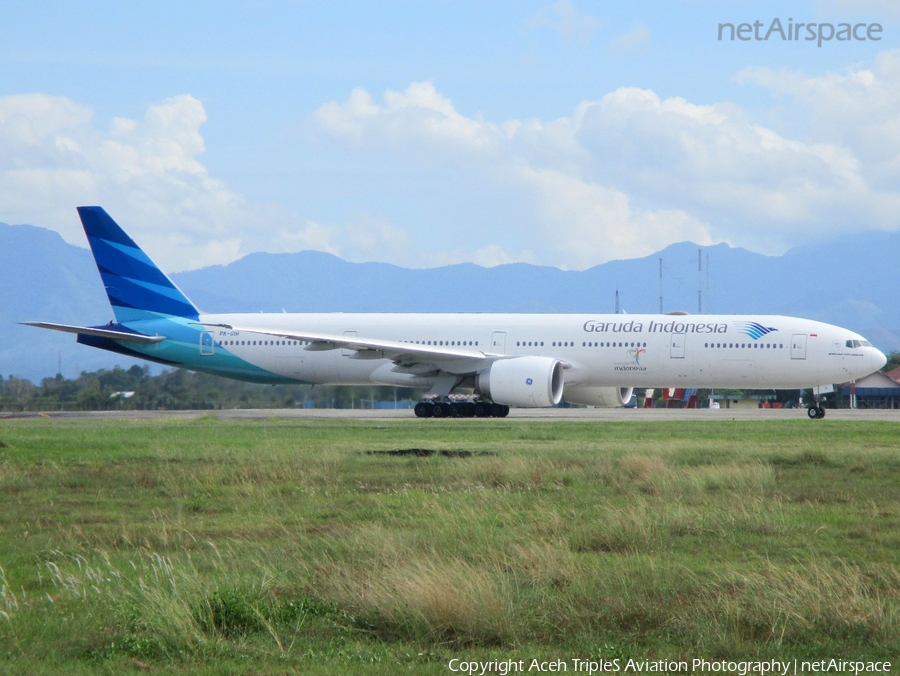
409, 357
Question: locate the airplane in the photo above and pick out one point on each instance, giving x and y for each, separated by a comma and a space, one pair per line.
523, 360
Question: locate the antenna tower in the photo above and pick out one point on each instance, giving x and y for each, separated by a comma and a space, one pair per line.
660, 287
699, 282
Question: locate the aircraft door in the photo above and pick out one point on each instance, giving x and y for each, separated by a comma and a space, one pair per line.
207, 344
798, 346
498, 342
676, 346
345, 352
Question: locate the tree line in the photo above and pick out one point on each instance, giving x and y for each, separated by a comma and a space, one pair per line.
136, 388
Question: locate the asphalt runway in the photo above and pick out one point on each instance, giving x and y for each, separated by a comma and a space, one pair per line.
399, 415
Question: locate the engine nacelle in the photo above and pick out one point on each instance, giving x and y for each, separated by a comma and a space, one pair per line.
606, 397
523, 381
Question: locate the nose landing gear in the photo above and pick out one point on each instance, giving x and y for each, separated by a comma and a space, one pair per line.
815, 412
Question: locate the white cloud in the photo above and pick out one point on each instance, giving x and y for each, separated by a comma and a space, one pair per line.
419, 118
753, 185
633, 41
582, 222
147, 174
856, 109
621, 176
570, 24
590, 223
631, 173
492, 255
368, 237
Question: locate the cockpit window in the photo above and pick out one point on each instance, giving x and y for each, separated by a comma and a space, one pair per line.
866, 343
858, 343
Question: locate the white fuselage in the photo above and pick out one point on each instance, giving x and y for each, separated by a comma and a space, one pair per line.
749, 351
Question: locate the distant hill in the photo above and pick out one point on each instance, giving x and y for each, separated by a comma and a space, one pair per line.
43, 277
851, 282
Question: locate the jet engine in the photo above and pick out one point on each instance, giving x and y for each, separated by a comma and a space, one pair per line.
606, 397
523, 381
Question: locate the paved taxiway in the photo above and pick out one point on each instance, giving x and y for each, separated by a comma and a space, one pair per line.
557, 414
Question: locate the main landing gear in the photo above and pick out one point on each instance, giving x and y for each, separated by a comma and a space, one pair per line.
466, 408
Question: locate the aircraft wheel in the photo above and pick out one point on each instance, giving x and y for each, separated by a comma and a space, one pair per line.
423, 410
469, 408
821, 412
453, 410
439, 410
496, 410
504, 411
482, 410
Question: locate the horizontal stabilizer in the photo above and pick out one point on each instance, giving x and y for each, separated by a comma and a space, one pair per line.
100, 333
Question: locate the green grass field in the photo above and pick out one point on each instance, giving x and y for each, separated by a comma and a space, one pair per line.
289, 546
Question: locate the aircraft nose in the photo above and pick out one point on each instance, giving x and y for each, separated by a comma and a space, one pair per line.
879, 359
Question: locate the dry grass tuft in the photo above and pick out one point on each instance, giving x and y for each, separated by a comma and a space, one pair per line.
427, 598
812, 599
544, 563
654, 476
513, 473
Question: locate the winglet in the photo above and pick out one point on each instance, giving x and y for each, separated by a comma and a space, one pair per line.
136, 287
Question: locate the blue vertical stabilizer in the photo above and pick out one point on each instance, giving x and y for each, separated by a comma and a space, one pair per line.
136, 287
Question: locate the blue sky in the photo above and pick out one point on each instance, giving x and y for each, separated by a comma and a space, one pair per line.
424, 133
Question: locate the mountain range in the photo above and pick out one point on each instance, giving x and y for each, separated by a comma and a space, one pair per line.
851, 282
